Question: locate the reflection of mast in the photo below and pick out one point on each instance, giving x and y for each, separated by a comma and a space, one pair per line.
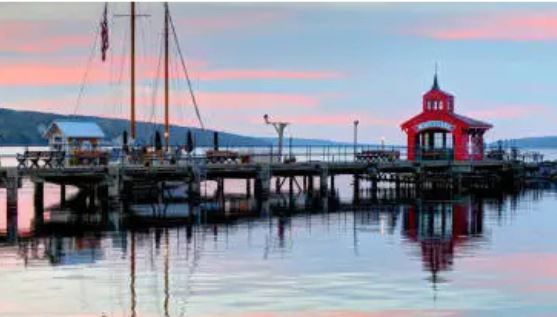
132, 275
166, 273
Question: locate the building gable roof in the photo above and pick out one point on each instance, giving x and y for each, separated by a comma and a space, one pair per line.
76, 129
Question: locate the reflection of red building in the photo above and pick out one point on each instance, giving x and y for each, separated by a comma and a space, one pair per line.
439, 228
439, 133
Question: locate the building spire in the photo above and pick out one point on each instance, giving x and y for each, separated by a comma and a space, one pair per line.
435, 83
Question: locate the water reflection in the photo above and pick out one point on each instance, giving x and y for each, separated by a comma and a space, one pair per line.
169, 258
440, 227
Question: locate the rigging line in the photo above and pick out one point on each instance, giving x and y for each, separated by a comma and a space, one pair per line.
156, 89
121, 75
175, 85
143, 49
183, 103
86, 74
186, 72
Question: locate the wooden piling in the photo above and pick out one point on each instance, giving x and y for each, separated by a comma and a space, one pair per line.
248, 187
356, 195
323, 181
62, 195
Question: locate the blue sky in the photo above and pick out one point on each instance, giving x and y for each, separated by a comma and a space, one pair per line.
319, 66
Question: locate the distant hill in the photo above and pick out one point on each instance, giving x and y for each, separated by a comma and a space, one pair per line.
26, 127
531, 142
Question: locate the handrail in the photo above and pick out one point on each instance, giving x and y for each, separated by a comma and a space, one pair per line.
269, 154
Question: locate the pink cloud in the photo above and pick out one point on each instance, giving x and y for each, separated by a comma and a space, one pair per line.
250, 74
512, 27
38, 37
255, 100
105, 105
335, 119
71, 71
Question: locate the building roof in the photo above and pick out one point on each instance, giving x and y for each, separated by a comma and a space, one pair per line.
76, 129
472, 122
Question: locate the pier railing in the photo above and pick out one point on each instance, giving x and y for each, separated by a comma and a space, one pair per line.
42, 157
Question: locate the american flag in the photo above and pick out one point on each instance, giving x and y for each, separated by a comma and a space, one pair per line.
104, 33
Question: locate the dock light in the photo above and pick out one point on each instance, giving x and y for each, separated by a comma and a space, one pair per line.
279, 128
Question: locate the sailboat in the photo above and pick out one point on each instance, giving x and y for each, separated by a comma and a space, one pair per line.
169, 32
148, 190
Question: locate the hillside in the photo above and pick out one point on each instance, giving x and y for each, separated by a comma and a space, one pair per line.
26, 127
532, 142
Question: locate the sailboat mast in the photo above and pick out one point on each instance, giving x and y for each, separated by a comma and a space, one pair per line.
166, 75
132, 70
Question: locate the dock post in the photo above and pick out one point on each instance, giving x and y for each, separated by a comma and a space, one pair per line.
356, 188
304, 183
333, 191
102, 196
374, 187
62, 195
38, 194
194, 190
38, 199
194, 187
263, 184
248, 187
278, 185
12, 184
220, 187
310, 184
323, 180
114, 184
291, 186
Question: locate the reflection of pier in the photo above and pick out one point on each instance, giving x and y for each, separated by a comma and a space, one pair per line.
438, 227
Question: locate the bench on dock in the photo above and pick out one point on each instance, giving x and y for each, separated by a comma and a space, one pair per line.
378, 156
33, 159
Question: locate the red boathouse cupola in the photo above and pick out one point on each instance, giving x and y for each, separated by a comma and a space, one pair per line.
438, 133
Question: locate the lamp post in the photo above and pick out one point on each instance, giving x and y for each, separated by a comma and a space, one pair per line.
279, 127
356, 122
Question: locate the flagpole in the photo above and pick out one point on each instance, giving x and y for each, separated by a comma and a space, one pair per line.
132, 70
166, 75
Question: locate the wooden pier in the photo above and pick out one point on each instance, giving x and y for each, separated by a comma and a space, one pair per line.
115, 181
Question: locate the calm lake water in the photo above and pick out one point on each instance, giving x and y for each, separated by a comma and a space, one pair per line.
466, 255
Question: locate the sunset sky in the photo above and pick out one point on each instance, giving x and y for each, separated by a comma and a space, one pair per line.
319, 66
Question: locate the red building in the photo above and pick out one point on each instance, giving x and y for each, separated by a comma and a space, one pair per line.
439, 133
